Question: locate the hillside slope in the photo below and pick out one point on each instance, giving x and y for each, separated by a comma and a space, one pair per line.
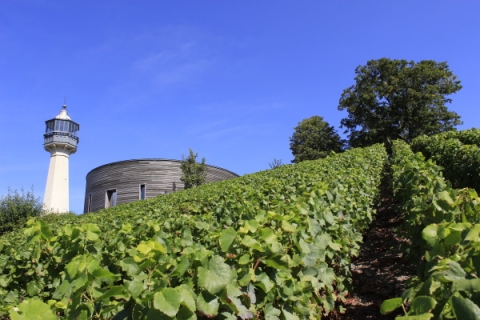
274, 244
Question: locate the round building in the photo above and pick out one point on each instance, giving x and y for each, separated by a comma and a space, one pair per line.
132, 180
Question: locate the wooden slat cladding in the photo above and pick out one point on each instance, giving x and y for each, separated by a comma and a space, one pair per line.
158, 176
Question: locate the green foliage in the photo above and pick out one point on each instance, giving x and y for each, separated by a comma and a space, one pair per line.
469, 136
16, 208
193, 173
276, 244
443, 225
426, 197
461, 162
398, 99
314, 139
32, 309
390, 305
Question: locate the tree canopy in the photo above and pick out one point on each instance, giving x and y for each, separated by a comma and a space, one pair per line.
398, 99
313, 139
193, 173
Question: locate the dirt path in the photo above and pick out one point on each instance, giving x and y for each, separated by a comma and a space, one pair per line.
380, 272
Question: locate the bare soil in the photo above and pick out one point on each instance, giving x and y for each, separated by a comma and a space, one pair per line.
381, 271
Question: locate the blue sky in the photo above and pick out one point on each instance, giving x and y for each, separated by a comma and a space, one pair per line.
229, 79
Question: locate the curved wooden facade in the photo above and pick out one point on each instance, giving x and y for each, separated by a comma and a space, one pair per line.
131, 180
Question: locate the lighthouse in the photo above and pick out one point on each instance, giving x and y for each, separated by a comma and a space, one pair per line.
61, 140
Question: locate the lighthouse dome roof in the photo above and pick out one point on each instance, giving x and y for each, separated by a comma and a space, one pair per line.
63, 115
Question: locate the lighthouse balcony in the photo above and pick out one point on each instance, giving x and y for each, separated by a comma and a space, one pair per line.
60, 138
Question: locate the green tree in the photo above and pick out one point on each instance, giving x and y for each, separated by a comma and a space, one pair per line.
398, 99
313, 139
16, 208
193, 173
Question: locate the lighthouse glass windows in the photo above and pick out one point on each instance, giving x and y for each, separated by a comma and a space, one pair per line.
50, 126
56, 125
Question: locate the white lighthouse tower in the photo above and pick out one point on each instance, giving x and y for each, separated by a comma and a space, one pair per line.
60, 139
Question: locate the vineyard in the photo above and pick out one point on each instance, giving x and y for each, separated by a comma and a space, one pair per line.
277, 244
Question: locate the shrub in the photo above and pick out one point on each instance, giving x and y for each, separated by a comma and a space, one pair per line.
16, 208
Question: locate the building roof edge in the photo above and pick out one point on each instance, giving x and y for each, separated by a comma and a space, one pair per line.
153, 159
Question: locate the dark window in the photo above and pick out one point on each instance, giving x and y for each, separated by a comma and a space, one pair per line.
111, 198
89, 205
143, 192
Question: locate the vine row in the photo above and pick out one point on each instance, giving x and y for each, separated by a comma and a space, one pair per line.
276, 244
457, 152
443, 225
